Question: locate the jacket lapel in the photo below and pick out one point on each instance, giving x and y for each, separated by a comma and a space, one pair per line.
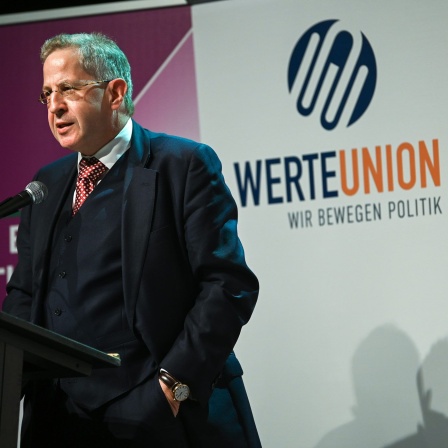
138, 207
47, 214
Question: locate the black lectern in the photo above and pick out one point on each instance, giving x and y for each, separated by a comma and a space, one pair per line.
28, 351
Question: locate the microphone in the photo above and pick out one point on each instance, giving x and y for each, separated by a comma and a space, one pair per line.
34, 193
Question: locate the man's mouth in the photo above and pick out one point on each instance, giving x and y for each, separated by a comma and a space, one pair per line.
62, 125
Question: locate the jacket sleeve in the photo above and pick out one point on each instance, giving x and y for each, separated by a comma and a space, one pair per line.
18, 301
227, 289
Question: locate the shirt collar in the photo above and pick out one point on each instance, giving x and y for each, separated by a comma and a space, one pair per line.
113, 150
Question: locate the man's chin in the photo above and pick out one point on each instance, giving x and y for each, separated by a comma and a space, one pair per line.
68, 145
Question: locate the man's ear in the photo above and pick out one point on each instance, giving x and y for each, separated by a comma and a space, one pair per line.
118, 88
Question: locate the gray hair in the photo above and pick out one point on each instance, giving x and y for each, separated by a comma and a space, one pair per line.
99, 56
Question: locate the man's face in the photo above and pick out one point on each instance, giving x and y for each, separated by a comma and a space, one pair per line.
81, 121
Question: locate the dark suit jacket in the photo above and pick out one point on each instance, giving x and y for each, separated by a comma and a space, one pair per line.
187, 288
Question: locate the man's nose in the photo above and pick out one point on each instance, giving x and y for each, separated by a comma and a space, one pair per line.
55, 101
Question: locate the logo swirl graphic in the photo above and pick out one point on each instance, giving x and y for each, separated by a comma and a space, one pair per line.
333, 73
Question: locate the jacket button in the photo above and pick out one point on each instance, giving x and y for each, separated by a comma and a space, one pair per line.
62, 274
57, 311
68, 238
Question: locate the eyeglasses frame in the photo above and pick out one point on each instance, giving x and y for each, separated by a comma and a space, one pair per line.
45, 100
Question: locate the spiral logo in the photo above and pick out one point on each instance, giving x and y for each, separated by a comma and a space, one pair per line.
332, 72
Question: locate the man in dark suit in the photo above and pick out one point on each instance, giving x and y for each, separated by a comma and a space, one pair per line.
147, 265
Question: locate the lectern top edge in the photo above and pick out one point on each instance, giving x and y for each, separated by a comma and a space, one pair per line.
24, 328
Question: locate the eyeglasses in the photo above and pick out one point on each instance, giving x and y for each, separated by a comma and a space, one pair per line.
67, 90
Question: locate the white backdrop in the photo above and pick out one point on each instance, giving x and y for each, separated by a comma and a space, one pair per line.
348, 312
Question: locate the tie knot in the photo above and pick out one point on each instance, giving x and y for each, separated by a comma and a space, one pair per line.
91, 168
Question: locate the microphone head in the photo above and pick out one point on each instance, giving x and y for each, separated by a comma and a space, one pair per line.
37, 191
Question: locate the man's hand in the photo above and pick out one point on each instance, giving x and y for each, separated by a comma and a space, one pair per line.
175, 405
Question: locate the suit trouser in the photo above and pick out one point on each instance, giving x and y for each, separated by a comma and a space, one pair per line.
140, 418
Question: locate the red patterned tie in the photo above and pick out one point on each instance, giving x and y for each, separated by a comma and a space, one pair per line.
90, 170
